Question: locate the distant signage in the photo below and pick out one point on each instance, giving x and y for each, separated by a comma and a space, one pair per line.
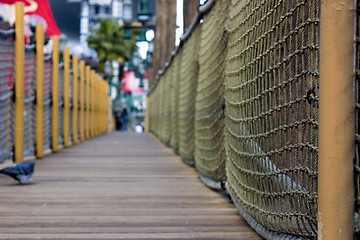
130, 83
100, 2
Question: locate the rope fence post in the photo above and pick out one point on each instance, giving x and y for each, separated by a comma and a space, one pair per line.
81, 125
147, 116
19, 83
75, 100
66, 97
92, 81
336, 120
39, 90
55, 95
87, 102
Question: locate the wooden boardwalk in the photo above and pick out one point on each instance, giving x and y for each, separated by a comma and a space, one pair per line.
116, 186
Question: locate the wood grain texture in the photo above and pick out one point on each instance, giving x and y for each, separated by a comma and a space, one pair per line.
116, 186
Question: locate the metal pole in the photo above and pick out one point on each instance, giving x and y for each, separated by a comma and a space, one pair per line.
19, 83
39, 90
336, 120
66, 117
55, 95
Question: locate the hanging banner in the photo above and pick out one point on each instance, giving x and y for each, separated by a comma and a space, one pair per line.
36, 11
130, 83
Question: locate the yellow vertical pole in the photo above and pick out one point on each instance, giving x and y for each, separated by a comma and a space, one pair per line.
94, 101
19, 83
102, 107
107, 107
39, 90
105, 104
55, 95
336, 120
102, 103
147, 116
87, 102
98, 106
81, 117
75, 100
92, 80
66, 97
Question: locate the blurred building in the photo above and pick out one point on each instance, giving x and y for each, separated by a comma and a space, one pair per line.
93, 10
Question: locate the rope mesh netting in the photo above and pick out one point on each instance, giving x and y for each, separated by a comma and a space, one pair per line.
174, 88
61, 104
187, 96
47, 103
7, 46
209, 114
70, 103
264, 71
166, 114
272, 112
29, 98
164, 129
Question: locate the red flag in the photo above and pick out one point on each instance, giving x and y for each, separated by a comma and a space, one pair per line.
39, 10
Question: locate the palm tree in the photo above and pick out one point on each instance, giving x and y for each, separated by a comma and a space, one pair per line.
108, 42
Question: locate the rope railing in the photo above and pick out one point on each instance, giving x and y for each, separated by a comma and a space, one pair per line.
242, 93
35, 72
29, 101
6, 93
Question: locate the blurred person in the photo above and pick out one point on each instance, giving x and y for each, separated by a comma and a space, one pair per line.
118, 119
125, 117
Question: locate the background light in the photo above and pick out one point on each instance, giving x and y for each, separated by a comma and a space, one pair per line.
150, 35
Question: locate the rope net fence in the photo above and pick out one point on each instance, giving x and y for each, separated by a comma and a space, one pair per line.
70, 103
209, 105
47, 103
244, 105
272, 113
187, 96
174, 88
29, 101
61, 105
7, 47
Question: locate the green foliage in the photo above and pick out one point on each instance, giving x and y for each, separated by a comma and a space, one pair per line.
109, 43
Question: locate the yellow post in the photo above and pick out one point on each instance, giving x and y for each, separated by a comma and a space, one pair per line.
147, 116
19, 83
55, 95
75, 100
87, 102
95, 102
106, 103
336, 120
92, 101
66, 97
81, 117
39, 90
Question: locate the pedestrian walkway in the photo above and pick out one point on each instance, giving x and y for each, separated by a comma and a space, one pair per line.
117, 186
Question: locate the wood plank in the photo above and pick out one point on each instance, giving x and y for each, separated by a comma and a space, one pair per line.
116, 186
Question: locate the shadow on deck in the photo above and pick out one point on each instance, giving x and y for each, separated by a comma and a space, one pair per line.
116, 186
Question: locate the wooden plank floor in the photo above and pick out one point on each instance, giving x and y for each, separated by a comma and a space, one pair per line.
116, 186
